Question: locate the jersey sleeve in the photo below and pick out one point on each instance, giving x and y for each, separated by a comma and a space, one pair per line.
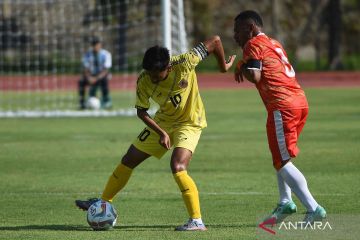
142, 97
253, 56
86, 61
188, 61
252, 51
108, 60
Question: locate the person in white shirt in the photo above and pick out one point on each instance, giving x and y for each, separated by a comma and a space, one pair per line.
96, 64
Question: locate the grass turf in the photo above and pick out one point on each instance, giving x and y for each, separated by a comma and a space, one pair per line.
48, 163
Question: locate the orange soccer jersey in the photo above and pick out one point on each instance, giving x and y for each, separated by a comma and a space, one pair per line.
278, 86
282, 95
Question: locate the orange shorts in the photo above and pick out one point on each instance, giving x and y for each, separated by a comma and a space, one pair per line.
283, 129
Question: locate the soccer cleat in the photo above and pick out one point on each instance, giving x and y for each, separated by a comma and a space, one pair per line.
318, 215
282, 211
106, 105
85, 204
191, 225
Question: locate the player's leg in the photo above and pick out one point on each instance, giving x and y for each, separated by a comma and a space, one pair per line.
122, 172
271, 130
146, 144
179, 161
93, 88
296, 180
288, 125
104, 84
284, 190
292, 122
83, 82
285, 206
185, 141
118, 178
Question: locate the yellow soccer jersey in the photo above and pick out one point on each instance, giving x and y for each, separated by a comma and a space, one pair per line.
177, 96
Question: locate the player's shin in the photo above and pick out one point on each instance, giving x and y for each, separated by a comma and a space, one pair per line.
298, 184
284, 190
116, 182
189, 193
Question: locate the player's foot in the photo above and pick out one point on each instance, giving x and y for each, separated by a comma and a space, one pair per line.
192, 225
282, 211
85, 204
318, 215
82, 105
106, 105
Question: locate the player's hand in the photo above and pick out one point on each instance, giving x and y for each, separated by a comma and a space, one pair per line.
229, 62
238, 72
165, 140
92, 80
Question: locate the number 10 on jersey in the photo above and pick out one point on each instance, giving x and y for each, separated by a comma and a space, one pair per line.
176, 99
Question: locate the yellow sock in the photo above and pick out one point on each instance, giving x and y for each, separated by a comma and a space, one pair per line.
116, 182
189, 193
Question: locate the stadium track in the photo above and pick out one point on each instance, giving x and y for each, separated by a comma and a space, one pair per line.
206, 81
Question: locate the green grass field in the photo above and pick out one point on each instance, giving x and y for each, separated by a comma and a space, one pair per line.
48, 163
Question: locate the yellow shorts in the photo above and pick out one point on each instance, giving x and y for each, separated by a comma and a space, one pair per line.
185, 137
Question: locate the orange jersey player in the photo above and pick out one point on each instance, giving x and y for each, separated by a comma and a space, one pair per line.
265, 64
278, 87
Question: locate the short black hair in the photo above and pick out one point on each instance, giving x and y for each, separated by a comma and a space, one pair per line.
156, 58
250, 14
94, 40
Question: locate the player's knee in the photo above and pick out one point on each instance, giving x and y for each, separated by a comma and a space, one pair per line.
180, 159
177, 166
133, 157
128, 161
279, 164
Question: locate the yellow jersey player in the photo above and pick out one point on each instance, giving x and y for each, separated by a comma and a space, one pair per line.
171, 82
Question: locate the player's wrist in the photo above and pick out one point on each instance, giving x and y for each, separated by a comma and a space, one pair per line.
239, 64
163, 133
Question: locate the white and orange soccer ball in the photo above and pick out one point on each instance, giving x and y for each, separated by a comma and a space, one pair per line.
101, 215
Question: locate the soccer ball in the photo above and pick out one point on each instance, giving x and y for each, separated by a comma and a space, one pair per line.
101, 215
93, 103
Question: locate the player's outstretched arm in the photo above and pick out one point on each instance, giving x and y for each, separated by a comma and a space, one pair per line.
214, 46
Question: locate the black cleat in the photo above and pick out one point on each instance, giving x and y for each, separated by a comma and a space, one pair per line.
85, 204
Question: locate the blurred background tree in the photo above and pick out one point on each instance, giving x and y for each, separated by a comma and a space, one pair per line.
317, 34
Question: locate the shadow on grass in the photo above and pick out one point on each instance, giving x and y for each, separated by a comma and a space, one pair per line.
145, 227
85, 228
171, 227
121, 227
239, 225
47, 227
